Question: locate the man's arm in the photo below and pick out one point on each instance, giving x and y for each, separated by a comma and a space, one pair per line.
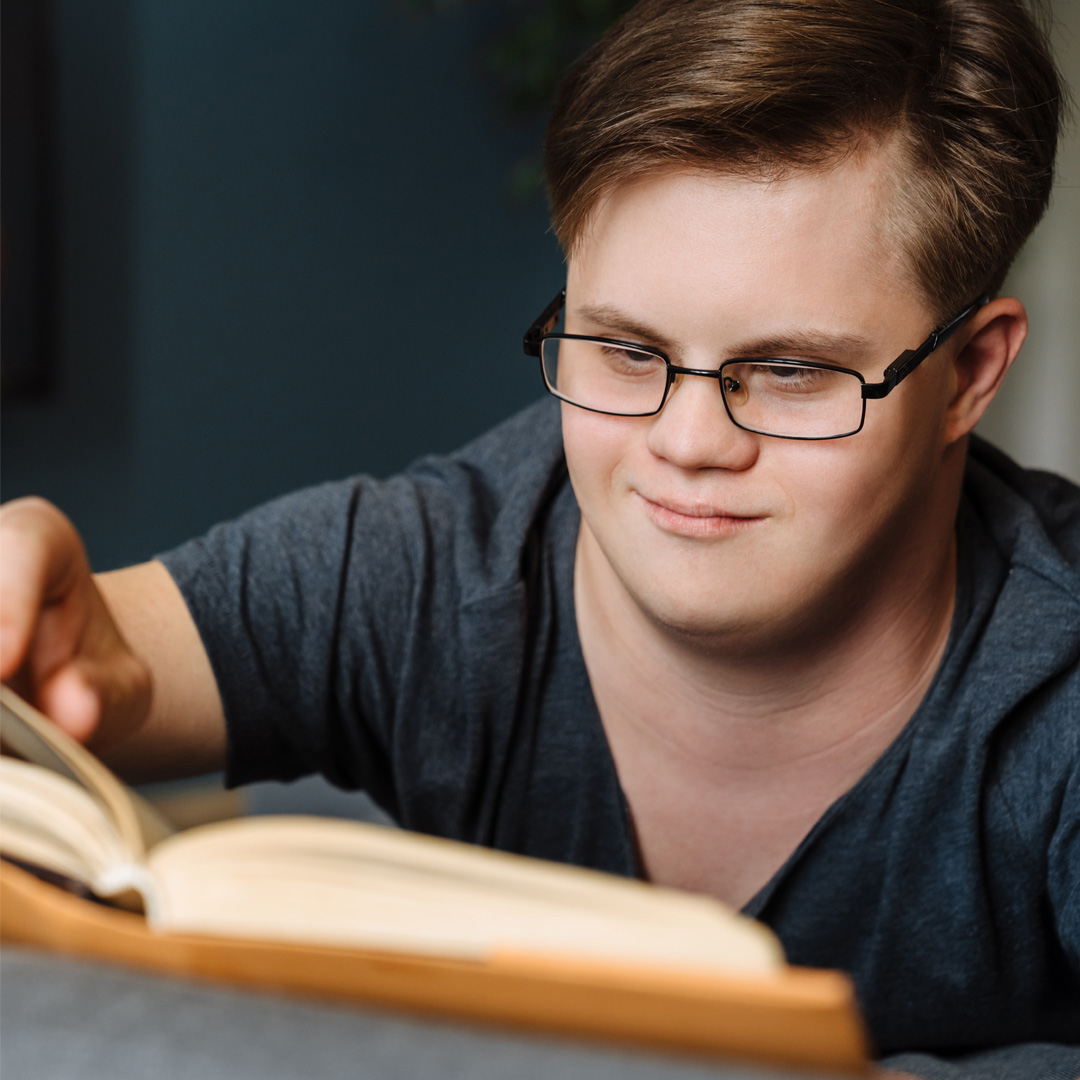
115, 660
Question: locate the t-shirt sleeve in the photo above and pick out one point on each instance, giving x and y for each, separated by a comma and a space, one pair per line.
371, 630
305, 607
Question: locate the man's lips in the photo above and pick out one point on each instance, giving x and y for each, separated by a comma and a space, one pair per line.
697, 519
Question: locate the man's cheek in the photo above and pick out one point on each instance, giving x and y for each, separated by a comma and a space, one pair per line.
594, 470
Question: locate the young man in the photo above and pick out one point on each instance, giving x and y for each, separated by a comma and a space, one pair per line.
757, 618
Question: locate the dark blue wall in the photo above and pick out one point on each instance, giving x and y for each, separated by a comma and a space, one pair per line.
287, 253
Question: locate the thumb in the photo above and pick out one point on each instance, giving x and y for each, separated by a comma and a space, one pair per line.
91, 698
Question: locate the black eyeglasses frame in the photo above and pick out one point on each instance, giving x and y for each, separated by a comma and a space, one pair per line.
892, 376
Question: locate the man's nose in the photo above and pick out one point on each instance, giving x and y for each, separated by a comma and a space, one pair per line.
694, 430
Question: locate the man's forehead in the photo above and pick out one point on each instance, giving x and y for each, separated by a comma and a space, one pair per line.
867, 171
786, 261
857, 193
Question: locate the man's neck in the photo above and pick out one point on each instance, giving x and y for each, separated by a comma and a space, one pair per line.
877, 662
728, 758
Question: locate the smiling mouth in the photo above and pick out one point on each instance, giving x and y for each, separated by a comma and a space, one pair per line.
697, 522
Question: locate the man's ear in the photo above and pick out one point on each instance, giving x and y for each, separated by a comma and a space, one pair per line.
988, 345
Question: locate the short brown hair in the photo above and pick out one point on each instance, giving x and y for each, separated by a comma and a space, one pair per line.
968, 88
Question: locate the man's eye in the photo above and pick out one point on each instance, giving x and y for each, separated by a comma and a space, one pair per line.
783, 371
789, 374
629, 358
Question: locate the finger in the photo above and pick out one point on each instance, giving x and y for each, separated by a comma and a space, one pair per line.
42, 558
78, 626
69, 700
93, 698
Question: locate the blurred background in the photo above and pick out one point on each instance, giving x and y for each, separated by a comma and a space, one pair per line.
255, 244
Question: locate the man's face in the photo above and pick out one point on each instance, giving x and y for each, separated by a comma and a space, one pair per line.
712, 530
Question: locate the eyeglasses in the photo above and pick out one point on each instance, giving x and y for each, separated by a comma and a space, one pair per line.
786, 399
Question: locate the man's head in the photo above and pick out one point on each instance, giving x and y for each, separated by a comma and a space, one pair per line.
963, 92
818, 181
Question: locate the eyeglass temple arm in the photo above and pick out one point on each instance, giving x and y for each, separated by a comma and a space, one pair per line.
548, 318
910, 359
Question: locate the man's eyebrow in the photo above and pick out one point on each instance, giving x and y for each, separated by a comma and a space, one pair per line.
806, 343
611, 318
798, 343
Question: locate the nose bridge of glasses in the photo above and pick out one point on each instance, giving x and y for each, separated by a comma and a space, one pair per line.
728, 396
676, 372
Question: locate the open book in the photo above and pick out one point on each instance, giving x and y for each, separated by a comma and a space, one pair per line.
250, 898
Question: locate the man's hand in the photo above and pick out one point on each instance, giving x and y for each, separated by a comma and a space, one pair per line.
59, 645
114, 659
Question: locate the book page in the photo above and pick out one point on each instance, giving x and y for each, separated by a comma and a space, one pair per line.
348, 884
342, 883
36, 738
49, 821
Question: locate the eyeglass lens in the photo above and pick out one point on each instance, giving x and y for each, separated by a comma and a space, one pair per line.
785, 399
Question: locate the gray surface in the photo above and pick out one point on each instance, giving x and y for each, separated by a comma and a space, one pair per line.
65, 1019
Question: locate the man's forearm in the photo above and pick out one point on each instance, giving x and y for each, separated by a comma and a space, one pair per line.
184, 733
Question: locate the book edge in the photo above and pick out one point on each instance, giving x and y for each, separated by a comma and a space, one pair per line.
799, 1017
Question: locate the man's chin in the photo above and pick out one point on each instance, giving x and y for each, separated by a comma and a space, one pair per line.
748, 630
709, 624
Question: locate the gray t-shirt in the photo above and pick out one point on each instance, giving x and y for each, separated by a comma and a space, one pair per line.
416, 638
